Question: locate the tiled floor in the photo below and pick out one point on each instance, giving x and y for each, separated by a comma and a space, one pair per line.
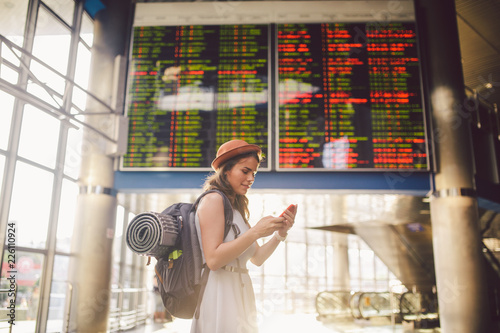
296, 324
299, 323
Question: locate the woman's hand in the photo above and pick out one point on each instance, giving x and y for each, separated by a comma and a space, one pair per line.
289, 216
268, 225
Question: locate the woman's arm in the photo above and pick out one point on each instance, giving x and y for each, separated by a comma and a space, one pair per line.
217, 253
264, 252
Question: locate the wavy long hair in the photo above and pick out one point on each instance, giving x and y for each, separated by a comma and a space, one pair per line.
218, 180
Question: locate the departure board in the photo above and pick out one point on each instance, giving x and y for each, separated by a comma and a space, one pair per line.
350, 97
192, 88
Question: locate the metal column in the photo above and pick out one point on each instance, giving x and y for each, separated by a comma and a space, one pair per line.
91, 265
461, 287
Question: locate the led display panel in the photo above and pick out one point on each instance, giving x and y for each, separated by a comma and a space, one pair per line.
349, 97
319, 85
192, 88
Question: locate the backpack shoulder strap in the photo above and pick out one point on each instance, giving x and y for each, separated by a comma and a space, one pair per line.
228, 223
228, 209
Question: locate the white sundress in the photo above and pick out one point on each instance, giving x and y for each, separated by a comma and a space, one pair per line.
228, 304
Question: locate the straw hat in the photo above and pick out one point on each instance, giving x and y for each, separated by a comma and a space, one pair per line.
231, 149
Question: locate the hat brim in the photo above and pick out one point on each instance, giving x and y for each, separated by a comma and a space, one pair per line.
219, 160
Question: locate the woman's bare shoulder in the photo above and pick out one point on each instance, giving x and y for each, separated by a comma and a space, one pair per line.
211, 199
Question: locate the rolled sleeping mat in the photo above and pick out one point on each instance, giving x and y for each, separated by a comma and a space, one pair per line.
152, 234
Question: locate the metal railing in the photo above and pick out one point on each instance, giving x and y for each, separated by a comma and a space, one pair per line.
484, 113
366, 305
122, 316
333, 304
407, 306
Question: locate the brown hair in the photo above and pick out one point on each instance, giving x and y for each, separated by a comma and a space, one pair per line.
218, 180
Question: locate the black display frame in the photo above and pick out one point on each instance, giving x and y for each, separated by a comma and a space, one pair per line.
422, 105
272, 155
267, 152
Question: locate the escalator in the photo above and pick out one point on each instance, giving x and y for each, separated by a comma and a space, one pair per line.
412, 307
490, 223
405, 246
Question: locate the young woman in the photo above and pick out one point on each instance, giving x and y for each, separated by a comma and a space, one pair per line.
228, 304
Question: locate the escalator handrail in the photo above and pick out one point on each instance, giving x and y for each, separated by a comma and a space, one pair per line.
491, 258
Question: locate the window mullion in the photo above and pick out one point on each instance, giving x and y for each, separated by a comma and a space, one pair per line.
48, 269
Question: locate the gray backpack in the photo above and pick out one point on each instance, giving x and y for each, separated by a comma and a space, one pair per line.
181, 282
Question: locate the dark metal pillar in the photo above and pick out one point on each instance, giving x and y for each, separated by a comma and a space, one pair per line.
461, 288
91, 265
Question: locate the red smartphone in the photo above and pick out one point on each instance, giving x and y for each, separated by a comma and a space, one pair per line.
290, 208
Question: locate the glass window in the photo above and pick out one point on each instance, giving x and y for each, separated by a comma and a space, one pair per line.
127, 276
297, 257
2, 166
129, 255
28, 267
367, 264
63, 8
11, 54
13, 20
30, 205
39, 137
355, 285
315, 284
354, 269
120, 216
382, 285
315, 236
136, 273
49, 78
297, 287
8, 74
316, 261
82, 68
73, 159
66, 220
7, 103
51, 45
330, 271
275, 264
87, 30
79, 101
115, 274
117, 244
82, 74
368, 285
52, 41
59, 290
381, 270
274, 291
